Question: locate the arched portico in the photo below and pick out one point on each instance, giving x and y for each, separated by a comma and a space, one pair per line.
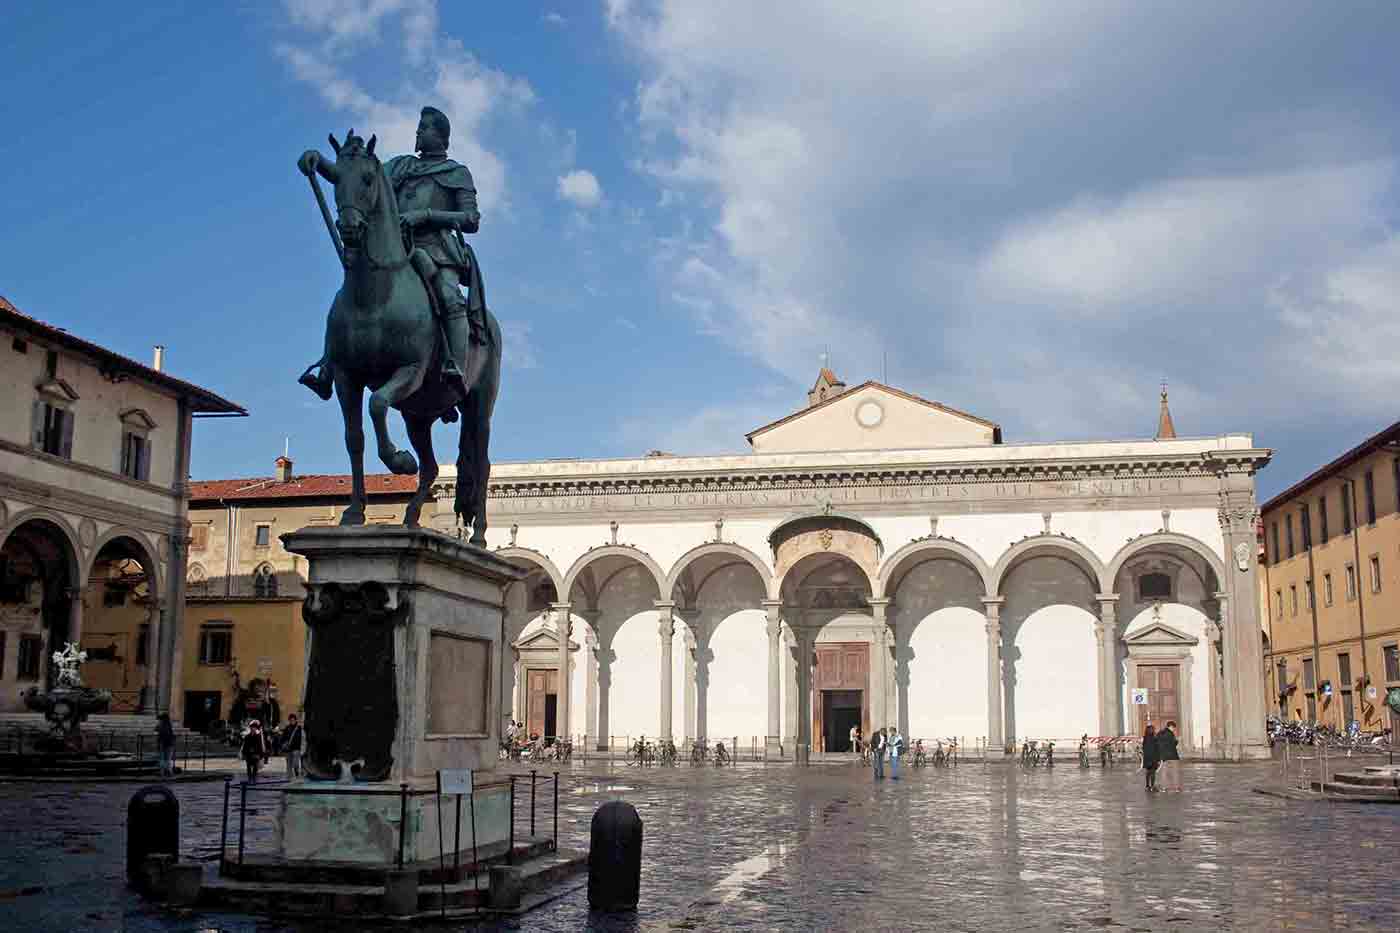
615, 584
526, 601
126, 619
937, 588
721, 589
42, 577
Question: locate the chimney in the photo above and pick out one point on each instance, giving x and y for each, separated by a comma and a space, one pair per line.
158, 363
284, 469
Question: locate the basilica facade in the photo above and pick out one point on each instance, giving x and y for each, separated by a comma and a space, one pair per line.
879, 559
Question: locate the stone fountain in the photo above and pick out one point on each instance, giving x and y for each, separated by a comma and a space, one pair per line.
68, 704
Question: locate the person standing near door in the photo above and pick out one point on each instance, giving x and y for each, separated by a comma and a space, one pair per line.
877, 752
1170, 757
1150, 760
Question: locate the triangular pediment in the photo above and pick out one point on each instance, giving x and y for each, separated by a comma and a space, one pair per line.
873, 416
57, 389
542, 639
137, 419
1159, 633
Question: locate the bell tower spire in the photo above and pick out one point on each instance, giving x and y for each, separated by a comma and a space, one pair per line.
1165, 429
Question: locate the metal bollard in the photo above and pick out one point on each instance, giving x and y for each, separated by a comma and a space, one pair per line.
510, 845
615, 858
223, 832
532, 803
403, 820
152, 828
556, 811
242, 817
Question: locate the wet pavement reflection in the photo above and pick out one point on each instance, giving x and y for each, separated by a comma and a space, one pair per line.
826, 848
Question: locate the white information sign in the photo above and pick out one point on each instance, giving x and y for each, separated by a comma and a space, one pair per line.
1371, 693
456, 780
1139, 696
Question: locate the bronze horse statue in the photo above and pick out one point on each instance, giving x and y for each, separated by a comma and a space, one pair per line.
382, 334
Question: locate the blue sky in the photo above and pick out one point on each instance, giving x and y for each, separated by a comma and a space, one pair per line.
1035, 212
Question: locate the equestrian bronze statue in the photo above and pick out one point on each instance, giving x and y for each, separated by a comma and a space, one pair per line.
399, 325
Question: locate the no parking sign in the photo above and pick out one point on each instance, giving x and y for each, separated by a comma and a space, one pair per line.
1139, 696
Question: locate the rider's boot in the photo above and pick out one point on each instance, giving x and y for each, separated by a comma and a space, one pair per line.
318, 379
457, 327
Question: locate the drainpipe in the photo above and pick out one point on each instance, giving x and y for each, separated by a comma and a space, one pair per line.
1312, 602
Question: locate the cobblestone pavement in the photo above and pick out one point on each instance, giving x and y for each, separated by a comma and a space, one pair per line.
826, 848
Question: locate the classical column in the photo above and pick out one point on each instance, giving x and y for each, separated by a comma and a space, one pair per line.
880, 672
1244, 649
702, 684
1106, 634
805, 642
590, 685
791, 680
666, 631
151, 686
605, 659
774, 608
561, 701
995, 718
692, 732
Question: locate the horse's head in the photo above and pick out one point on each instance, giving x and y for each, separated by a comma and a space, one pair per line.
359, 188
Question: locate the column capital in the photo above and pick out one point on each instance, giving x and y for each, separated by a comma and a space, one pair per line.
1107, 598
561, 607
991, 602
666, 628
664, 605
771, 604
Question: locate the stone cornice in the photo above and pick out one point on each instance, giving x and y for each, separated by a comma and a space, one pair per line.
971, 472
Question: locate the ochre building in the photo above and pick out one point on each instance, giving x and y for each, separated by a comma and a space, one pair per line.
1330, 593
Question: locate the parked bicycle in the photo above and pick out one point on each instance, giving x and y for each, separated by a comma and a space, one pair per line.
699, 753
666, 755
641, 753
721, 756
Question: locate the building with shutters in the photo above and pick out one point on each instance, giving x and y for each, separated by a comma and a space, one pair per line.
873, 558
1330, 594
94, 460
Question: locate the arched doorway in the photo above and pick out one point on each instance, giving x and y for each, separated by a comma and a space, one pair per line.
837, 675
39, 602
1169, 605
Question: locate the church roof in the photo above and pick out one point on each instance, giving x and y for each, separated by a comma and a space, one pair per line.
871, 383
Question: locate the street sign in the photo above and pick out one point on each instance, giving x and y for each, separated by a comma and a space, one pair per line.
1371, 693
456, 780
1139, 696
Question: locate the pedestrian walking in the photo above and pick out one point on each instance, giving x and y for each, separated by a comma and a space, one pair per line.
254, 749
165, 743
1150, 759
858, 744
895, 743
855, 731
877, 752
1170, 757
292, 738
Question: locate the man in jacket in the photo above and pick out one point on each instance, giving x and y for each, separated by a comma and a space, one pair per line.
894, 742
1169, 757
877, 752
291, 744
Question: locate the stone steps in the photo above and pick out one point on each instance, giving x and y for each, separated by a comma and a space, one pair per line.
266, 868
266, 893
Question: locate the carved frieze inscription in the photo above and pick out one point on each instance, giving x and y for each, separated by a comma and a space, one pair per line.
816, 496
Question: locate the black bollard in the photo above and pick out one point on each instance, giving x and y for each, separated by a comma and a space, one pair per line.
152, 828
615, 858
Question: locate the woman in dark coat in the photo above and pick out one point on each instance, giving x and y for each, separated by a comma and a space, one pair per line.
1149, 756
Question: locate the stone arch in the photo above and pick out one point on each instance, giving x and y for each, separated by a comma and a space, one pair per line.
67, 535
1166, 540
1061, 546
625, 551
922, 549
524, 555
740, 553
148, 558
264, 577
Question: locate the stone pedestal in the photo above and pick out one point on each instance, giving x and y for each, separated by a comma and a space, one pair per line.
401, 682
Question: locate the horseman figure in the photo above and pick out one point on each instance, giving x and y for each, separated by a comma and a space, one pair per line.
437, 203
399, 326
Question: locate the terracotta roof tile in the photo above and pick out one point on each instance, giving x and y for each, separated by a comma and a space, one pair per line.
201, 399
315, 486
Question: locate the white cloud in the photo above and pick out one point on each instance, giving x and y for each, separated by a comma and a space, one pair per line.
1039, 210
580, 187
518, 350
555, 19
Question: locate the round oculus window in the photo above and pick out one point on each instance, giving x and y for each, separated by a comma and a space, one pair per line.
870, 414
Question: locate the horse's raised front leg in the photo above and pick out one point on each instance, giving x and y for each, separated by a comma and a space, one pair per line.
351, 398
420, 435
405, 381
